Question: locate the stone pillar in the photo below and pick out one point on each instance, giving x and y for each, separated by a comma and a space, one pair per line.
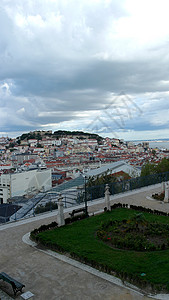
162, 187
107, 197
166, 197
60, 216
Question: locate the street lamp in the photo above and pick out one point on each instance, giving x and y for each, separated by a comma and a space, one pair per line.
85, 198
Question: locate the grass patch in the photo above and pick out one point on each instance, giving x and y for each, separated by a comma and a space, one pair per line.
79, 239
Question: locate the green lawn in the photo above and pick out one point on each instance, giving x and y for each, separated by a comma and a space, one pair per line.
79, 239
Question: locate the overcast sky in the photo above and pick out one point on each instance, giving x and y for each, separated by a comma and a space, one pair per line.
94, 65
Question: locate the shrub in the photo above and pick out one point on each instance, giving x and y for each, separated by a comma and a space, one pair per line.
48, 206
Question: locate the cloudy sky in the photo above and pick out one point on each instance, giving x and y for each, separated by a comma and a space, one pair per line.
95, 65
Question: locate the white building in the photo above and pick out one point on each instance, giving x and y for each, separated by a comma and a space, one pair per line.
51, 142
24, 183
115, 167
5, 166
33, 142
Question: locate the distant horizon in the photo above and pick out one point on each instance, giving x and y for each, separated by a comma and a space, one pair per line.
152, 140
126, 140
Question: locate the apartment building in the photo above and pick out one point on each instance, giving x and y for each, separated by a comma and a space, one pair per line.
24, 183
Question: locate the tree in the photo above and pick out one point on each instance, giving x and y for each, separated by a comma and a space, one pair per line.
11, 145
163, 166
148, 169
151, 168
106, 178
154, 152
38, 136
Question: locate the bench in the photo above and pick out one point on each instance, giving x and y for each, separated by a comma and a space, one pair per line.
16, 285
78, 210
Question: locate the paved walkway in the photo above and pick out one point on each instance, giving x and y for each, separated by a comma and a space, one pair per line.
4, 296
46, 276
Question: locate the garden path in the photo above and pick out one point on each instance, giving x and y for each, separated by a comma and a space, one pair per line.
50, 278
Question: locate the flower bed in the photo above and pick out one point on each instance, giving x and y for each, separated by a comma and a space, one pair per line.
135, 233
80, 240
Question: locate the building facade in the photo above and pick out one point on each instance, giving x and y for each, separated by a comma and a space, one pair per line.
24, 183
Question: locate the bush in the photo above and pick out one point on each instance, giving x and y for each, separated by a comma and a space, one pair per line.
134, 234
159, 197
49, 206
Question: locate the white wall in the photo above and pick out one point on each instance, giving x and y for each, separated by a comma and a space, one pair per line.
19, 184
31, 181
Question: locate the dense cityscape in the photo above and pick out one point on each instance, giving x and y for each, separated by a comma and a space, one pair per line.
62, 156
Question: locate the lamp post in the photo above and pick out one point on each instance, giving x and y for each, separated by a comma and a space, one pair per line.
85, 199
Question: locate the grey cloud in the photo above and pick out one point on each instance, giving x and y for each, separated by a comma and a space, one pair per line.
50, 57
107, 76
